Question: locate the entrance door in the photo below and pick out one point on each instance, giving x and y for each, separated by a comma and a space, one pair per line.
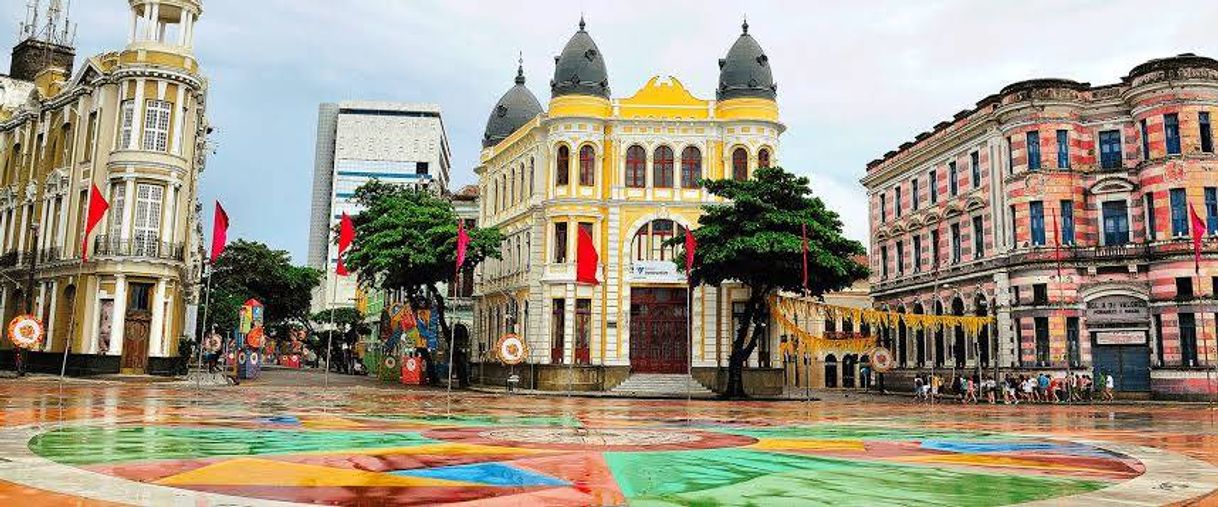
659, 336
1129, 365
135, 342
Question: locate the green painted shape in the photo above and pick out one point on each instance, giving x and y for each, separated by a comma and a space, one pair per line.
87, 445
485, 420
853, 432
742, 477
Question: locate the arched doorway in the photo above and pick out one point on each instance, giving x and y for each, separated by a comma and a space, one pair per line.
983, 338
958, 346
919, 340
902, 336
865, 373
850, 364
830, 371
940, 347
659, 330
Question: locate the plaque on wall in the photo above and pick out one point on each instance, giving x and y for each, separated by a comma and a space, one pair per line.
1120, 338
655, 271
1117, 309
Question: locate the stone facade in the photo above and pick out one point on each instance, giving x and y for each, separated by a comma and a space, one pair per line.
966, 219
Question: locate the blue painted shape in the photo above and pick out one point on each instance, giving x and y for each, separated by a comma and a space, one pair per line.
284, 419
1070, 449
491, 474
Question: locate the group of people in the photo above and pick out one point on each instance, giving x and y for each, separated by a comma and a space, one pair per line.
1013, 389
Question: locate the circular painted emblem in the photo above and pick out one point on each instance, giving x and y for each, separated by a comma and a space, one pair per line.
253, 358
241, 358
511, 349
412, 364
882, 360
25, 331
390, 362
255, 338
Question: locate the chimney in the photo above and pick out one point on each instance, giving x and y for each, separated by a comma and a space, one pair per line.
32, 56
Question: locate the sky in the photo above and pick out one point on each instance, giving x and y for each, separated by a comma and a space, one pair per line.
855, 79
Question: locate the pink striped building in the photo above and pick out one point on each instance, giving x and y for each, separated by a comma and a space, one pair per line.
966, 219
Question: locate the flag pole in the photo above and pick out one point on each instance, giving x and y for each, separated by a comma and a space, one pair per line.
452, 338
325, 374
207, 268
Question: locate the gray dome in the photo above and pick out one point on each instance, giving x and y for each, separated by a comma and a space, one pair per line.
514, 109
580, 69
745, 73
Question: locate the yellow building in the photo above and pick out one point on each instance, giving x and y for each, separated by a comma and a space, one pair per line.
627, 170
132, 123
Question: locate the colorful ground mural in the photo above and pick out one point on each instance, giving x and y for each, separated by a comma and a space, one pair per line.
375, 447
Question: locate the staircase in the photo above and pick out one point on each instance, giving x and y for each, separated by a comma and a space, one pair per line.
662, 386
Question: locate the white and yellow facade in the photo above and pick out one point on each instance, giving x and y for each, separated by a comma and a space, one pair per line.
132, 122
627, 169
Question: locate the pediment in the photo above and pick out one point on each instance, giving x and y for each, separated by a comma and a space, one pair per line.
1112, 185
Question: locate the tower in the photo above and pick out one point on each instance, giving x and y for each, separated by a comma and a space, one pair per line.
165, 25
581, 84
46, 45
746, 82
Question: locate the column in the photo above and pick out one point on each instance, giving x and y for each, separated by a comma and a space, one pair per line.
4, 242
61, 236
44, 231
135, 23
4, 303
128, 207
154, 28
156, 334
50, 323
119, 319
137, 119
179, 119
183, 18
168, 206
20, 229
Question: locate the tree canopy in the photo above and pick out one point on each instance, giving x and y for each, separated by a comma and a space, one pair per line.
250, 269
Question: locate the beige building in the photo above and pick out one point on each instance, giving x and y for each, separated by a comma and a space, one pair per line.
132, 123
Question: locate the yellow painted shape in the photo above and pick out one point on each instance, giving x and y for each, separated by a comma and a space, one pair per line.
446, 448
664, 98
580, 105
261, 472
779, 444
329, 422
990, 460
747, 109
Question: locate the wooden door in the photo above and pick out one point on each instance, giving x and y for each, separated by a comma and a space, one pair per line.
135, 342
659, 333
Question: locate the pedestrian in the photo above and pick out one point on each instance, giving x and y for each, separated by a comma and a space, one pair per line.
1109, 385
212, 350
918, 385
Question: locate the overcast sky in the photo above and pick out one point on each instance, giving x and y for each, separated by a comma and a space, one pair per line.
856, 79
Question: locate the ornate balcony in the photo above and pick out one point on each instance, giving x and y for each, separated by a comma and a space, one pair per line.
109, 246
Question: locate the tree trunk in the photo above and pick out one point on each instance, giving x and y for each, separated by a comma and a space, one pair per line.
440, 310
743, 345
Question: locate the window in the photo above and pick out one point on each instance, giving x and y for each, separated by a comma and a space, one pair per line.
118, 202
1145, 139
691, 167
900, 258
1067, 237
1014, 225
955, 243
740, 165
636, 167
978, 238
883, 207
1010, 155
975, 164
1015, 295
934, 246
1159, 339
140, 297
558, 328
1188, 339
583, 330
917, 253
913, 194
1211, 210
650, 242
1040, 294
1036, 219
763, 158
1171, 133
661, 167
953, 179
1116, 222
127, 125
1151, 231
1179, 213
1063, 149
147, 227
90, 137
1184, 287
156, 125
1207, 133
1072, 345
896, 201
1042, 340
1033, 150
560, 242
1110, 149
562, 166
932, 186
884, 262
587, 165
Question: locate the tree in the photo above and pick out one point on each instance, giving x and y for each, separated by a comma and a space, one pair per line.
406, 239
756, 239
250, 269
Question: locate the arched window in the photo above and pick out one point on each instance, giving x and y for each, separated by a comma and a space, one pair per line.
740, 165
763, 158
661, 167
512, 188
531, 165
563, 166
649, 242
587, 166
691, 167
636, 167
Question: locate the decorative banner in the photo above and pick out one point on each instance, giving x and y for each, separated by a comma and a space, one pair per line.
256, 337
25, 331
511, 349
882, 360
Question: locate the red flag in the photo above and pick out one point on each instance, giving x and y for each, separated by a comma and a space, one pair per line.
1057, 247
1199, 231
219, 232
97, 209
805, 250
346, 236
586, 258
462, 243
691, 246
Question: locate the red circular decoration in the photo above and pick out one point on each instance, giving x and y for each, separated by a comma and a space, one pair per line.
25, 331
412, 364
882, 360
511, 349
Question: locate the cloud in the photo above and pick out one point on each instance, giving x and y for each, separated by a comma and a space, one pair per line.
856, 79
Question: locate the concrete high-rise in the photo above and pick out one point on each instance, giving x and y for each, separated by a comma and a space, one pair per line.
358, 142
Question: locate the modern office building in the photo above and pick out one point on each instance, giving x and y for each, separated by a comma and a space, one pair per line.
132, 122
626, 170
966, 219
358, 142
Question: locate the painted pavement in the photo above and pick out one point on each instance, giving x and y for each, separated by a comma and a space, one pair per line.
123, 445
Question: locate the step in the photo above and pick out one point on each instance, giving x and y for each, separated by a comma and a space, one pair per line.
662, 384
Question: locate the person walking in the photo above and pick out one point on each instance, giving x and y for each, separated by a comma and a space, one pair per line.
1109, 385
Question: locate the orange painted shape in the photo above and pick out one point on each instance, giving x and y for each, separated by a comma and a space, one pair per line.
260, 472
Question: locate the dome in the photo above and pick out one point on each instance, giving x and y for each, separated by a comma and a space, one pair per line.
580, 69
745, 73
514, 109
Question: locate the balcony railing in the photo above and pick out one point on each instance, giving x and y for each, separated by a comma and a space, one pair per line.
109, 246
